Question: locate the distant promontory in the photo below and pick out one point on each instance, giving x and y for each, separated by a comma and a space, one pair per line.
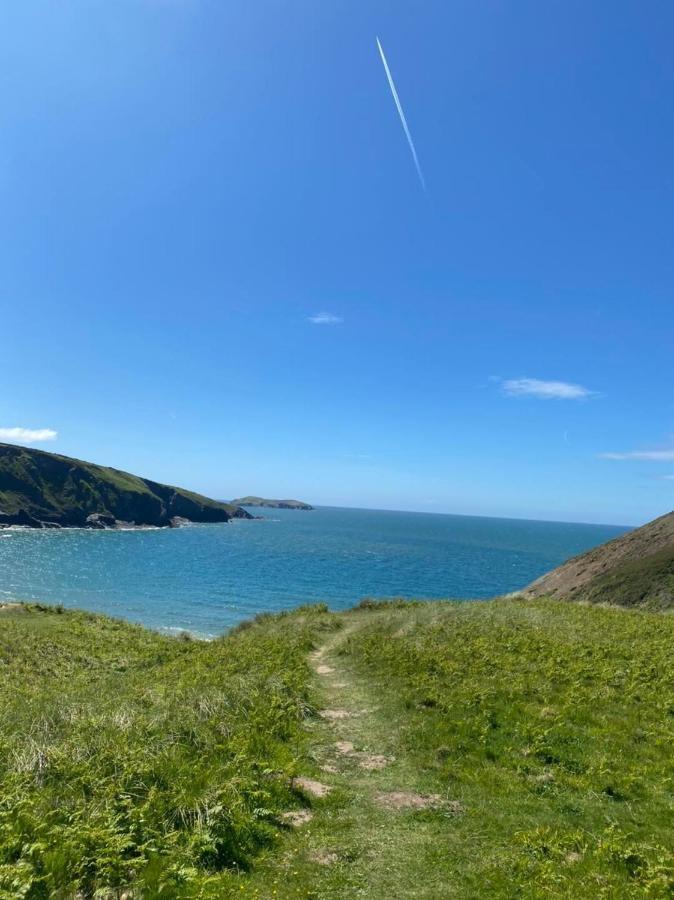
46, 490
274, 504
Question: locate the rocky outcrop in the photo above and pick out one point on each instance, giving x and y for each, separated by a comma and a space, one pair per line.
178, 522
20, 517
43, 490
101, 520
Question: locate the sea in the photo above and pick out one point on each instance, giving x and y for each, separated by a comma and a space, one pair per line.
207, 578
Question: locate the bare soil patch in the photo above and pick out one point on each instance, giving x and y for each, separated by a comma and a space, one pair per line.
297, 817
373, 762
410, 800
344, 748
311, 787
334, 714
324, 857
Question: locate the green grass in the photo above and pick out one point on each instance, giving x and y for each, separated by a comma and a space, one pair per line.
128, 758
134, 762
553, 725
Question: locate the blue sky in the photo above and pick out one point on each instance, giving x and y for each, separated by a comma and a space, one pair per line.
218, 267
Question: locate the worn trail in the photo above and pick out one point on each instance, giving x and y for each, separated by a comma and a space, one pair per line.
374, 815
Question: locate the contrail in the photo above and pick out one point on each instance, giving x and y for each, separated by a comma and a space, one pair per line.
402, 115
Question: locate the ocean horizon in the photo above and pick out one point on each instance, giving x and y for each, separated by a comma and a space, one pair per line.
207, 578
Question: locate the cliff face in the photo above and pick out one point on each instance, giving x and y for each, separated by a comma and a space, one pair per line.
41, 489
636, 569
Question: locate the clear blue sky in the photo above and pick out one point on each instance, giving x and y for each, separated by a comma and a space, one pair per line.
185, 184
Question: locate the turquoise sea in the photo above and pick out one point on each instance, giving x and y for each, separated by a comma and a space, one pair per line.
205, 578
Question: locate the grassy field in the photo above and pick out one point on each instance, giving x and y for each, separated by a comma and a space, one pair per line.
129, 758
488, 749
553, 726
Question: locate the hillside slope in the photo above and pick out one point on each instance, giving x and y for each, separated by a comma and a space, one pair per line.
41, 489
636, 569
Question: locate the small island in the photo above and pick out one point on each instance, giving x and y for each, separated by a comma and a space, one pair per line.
273, 504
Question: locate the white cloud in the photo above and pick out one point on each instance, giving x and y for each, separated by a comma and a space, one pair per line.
648, 455
667, 477
545, 390
325, 318
27, 435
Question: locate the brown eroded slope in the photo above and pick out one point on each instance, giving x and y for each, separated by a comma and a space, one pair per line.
636, 569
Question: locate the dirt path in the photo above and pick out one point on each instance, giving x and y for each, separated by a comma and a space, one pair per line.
356, 745
375, 819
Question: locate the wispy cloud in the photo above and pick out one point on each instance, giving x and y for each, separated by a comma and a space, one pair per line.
27, 435
644, 455
545, 390
325, 318
403, 120
667, 477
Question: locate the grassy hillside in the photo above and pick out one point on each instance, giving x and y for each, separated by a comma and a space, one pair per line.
492, 749
647, 582
636, 569
38, 487
130, 758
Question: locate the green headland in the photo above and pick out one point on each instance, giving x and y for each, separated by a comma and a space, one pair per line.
39, 489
